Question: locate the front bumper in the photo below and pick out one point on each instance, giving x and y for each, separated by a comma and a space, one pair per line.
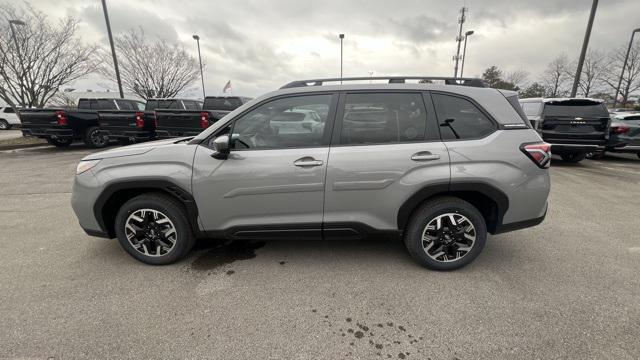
83, 196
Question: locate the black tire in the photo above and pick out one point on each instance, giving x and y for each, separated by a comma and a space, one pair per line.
61, 143
4, 125
94, 139
638, 155
169, 207
573, 157
428, 212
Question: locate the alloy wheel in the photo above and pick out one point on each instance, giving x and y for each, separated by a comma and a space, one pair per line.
151, 232
448, 237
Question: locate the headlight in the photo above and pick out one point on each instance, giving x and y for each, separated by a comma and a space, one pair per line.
86, 165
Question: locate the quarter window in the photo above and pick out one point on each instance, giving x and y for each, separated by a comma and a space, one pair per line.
9, 110
460, 119
299, 121
383, 118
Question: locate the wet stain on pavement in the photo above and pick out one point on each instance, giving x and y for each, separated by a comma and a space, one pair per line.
226, 254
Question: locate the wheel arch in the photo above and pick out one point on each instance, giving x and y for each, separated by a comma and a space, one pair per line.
489, 200
115, 195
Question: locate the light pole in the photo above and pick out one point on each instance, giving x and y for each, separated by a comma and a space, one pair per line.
341, 40
626, 58
197, 38
461, 20
15, 41
113, 49
585, 44
464, 52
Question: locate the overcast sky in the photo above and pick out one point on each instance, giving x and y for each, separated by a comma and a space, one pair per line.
261, 44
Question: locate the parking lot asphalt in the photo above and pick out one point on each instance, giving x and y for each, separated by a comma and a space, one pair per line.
569, 288
10, 134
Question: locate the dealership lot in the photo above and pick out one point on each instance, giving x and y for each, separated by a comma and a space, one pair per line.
568, 288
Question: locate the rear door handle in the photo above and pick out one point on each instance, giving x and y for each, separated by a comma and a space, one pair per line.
307, 161
424, 156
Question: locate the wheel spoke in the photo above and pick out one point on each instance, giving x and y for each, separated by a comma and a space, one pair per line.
150, 232
448, 237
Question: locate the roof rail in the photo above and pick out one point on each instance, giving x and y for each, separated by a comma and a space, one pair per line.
474, 82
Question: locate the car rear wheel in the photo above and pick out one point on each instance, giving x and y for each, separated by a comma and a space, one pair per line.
573, 157
4, 124
153, 228
93, 138
59, 142
445, 233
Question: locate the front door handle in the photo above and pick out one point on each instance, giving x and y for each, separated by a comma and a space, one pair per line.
424, 156
307, 161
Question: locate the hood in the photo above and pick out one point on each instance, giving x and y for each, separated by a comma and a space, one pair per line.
135, 149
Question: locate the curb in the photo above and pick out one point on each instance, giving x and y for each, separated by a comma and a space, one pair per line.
20, 146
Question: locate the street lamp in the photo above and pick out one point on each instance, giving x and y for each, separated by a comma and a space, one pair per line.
464, 52
113, 49
341, 40
626, 58
197, 39
15, 41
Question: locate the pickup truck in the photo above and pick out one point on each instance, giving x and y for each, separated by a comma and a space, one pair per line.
574, 127
60, 127
135, 125
172, 123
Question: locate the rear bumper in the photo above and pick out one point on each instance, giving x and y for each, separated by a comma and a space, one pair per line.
128, 134
503, 228
48, 133
624, 148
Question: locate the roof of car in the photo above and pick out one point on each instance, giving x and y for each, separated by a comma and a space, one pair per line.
181, 99
546, 100
626, 115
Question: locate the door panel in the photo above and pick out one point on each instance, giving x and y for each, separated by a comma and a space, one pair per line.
259, 187
368, 184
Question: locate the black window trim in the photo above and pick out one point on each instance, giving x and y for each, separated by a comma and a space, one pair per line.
326, 138
430, 126
496, 125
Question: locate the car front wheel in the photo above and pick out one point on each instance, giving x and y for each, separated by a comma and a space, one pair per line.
445, 233
4, 124
153, 228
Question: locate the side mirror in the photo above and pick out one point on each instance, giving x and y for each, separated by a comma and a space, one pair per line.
220, 146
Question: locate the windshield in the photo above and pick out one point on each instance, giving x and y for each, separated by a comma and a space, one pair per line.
576, 108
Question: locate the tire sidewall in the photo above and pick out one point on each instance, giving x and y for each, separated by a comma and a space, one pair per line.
413, 236
88, 140
4, 124
184, 240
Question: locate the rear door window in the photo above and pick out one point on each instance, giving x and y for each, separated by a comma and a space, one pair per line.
383, 118
9, 110
460, 119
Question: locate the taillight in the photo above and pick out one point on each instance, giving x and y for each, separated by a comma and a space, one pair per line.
617, 128
539, 153
204, 120
62, 118
139, 120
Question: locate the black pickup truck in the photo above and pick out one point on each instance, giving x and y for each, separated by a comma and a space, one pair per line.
60, 127
134, 125
172, 123
574, 127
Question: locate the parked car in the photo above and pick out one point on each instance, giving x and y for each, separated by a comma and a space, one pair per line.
437, 165
173, 123
574, 127
625, 134
60, 127
8, 118
135, 124
225, 103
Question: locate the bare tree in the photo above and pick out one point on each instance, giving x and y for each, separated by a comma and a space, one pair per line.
49, 56
519, 78
555, 76
631, 75
594, 69
152, 68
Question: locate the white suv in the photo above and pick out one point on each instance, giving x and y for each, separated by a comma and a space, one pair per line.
8, 118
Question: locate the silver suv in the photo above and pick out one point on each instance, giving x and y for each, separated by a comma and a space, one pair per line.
437, 165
